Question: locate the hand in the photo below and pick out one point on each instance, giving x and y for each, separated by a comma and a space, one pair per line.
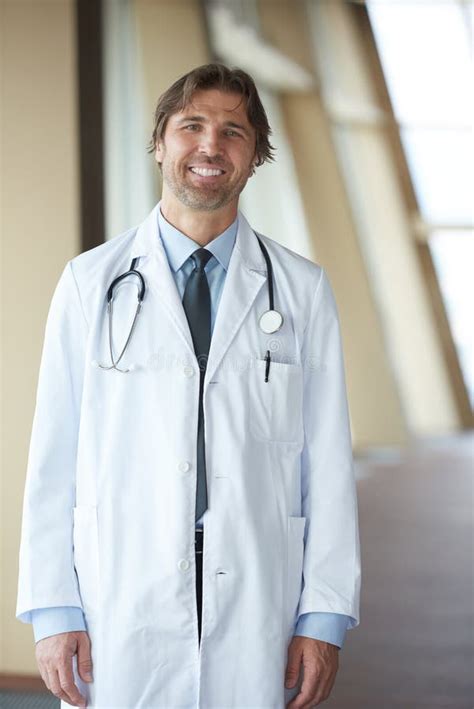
320, 663
54, 657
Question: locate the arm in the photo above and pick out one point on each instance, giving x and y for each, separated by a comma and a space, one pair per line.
331, 568
331, 565
47, 578
46, 571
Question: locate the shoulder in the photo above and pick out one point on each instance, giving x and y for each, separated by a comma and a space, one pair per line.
93, 270
100, 257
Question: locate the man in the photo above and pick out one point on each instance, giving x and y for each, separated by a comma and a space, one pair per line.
190, 530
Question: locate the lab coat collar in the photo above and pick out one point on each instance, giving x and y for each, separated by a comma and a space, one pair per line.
147, 240
179, 247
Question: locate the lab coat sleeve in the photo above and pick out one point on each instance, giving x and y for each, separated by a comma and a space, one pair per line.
331, 566
46, 570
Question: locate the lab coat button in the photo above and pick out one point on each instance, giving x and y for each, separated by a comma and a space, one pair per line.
183, 564
188, 371
184, 466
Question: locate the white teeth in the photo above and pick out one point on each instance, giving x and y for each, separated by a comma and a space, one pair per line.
205, 172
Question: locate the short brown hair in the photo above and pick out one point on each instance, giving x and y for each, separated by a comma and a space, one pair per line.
215, 76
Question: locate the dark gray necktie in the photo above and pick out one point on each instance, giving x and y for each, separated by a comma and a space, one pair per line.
197, 306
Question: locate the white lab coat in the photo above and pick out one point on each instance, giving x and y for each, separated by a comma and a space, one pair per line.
108, 519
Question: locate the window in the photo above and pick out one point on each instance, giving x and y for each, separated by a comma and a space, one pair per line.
426, 54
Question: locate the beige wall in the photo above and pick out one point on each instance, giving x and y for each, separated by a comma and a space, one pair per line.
163, 58
172, 40
40, 232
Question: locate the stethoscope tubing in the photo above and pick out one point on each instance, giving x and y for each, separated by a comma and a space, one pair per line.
141, 296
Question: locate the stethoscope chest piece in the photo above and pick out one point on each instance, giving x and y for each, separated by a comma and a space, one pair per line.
270, 321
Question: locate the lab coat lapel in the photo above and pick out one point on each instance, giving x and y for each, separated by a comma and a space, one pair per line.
245, 277
159, 279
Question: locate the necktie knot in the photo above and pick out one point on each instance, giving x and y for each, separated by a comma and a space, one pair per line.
200, 257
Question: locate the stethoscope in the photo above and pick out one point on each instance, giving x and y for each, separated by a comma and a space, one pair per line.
269, 322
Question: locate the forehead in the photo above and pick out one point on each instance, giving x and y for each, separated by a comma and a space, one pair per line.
213, 103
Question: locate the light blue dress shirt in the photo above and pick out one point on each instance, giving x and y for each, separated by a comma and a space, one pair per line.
330, 627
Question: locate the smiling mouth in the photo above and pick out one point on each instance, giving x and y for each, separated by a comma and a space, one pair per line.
207, 171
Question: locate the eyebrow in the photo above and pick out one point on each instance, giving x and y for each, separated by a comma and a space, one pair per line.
202, 119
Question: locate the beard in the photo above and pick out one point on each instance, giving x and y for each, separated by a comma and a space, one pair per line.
203, 198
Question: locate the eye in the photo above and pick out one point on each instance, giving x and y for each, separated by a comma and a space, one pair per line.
232, 133
191, 126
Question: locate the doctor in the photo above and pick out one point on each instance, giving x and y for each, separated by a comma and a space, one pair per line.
190, 534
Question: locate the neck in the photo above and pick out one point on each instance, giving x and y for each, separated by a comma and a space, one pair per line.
201, 226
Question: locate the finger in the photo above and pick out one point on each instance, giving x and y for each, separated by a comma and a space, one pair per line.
293, 667
309, 688
44, 675
55, 686
325, 687
66, 679
84, 659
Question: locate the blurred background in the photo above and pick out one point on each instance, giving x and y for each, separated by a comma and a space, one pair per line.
371, 105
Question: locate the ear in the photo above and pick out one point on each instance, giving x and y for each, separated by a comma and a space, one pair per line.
253, 165
159, 152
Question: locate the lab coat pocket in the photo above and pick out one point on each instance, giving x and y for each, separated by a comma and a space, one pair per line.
296, 527
86, 556
276, 406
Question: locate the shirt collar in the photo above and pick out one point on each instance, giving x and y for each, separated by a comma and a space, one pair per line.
179, 247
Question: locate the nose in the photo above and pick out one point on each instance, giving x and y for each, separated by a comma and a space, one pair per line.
210, 143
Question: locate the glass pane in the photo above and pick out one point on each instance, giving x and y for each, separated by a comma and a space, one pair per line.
442, 169
425, 51
453, 257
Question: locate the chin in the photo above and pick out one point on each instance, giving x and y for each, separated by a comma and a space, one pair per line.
200, 203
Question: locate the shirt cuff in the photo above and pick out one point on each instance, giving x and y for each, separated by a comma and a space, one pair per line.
329, 627
51, 621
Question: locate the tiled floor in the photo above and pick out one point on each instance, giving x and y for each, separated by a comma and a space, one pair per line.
27, 700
